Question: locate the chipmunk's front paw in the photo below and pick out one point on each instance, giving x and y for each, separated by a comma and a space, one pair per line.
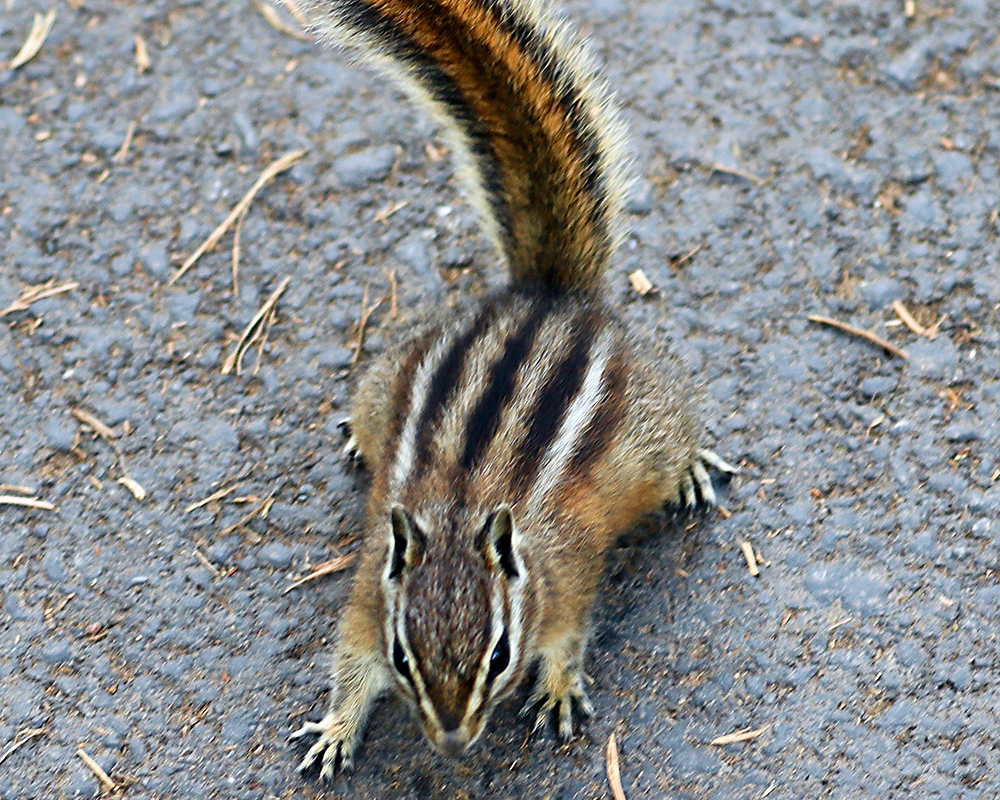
555, 697
335, 746
696, 484
352, 450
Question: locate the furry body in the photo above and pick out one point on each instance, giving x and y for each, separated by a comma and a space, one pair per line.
510, 446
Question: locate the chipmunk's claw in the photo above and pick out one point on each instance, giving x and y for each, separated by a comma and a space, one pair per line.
558, 706
696, 487
334, 749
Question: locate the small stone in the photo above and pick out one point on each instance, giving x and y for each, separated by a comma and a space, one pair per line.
963, 432
121, 265
220, 436
877, 385
358, 169
953, 168
909, 66
155, 260
923, 210
58, 651
60, 433
52, 565
183, 305
334, 357
856, 589
276, 555
909, 654
903, 714
960, 678
880, 293
933, 359
640, 199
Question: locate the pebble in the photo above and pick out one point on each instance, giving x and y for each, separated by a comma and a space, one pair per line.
857, 590
936, 358
58, 651
277, 555
880, 293
358, 169
877, 385
60, 433
909, 66
219, 436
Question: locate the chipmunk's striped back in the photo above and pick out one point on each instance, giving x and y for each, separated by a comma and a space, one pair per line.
522, 394
518, 402
536, 142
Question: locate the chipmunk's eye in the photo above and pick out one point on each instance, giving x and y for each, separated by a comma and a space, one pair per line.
400, 661
500, 657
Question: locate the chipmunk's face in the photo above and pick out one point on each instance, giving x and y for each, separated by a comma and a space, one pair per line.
454, 630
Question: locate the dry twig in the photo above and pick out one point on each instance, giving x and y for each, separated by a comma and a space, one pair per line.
393, 295
40, 28
102, 776
27, 502
214, 496
874, 338
237, 236
207, 564
641, 283
910, 321
366, 312
253, 330
680, 261
89, 419
739, 736
122, 153
338, 564
13, 487
21, 739
261, 509
748, 554
273, 169
296, 12
141, 55
130, 483
614, 774
32, 294
108, 435
271, 16
389, 210
739, 173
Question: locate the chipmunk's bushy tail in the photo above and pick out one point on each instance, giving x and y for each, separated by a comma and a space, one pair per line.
535, 139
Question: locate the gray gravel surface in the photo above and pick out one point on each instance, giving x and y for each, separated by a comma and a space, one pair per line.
794, 158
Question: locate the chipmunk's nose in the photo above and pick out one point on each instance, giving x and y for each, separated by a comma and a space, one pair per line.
454, 742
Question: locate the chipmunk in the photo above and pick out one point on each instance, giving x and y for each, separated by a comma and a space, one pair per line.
510, 446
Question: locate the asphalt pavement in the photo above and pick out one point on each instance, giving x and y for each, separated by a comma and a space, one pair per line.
793, 158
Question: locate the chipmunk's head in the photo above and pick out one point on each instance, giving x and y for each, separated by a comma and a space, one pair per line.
455, 628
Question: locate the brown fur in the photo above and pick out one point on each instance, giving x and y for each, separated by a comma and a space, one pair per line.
510, 445
512, 85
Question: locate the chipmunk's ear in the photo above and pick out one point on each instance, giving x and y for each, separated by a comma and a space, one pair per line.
408, 545
497, 543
